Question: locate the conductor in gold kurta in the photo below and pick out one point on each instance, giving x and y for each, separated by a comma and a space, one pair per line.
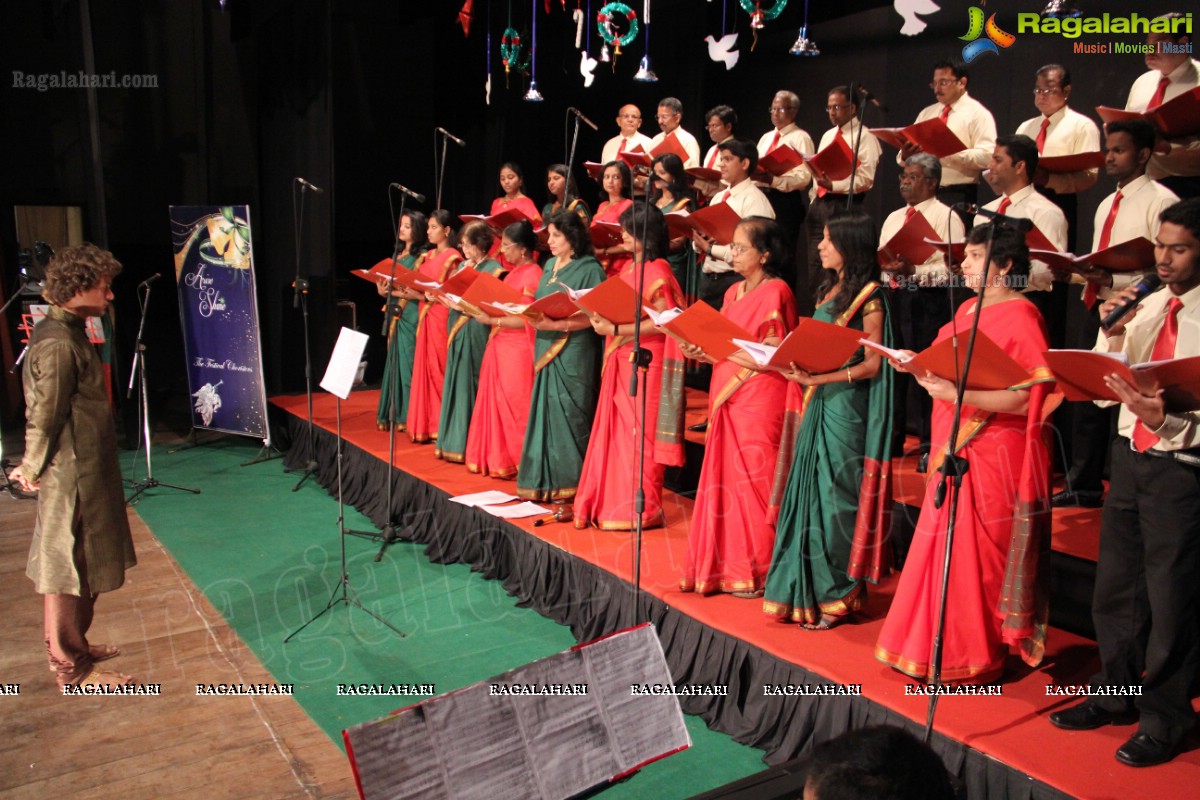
81, 541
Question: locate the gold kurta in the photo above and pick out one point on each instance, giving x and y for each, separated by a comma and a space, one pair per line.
71, 448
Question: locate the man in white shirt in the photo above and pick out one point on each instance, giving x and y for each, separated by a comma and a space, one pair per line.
826, 196
1144, 606
1176, 162
737, 160
1061, 131
971, 123
1014, 161
922, 301
669, 117
787, 193
1130, 212
719, 122
629, 119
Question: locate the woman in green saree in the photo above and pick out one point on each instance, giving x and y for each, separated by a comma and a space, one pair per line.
566, 373
402, 335
467, 341
834, 510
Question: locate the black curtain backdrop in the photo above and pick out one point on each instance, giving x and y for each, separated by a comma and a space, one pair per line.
347, 95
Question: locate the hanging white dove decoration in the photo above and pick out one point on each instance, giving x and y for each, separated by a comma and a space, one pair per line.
910, 9
722, 49
587, 66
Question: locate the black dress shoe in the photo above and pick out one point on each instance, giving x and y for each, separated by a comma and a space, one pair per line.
1070, 499
1088, 715
699, 427
1143, 750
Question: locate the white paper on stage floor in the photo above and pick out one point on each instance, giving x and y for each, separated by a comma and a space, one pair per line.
526, 509
492, 497
343, 364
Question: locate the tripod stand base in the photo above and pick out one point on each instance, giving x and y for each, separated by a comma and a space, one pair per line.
267, 452
310, 469
387, 534
150, 483
348, 597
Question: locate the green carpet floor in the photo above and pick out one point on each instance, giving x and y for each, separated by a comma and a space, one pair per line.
267, 559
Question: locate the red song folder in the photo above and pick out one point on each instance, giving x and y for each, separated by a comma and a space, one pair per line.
991, 367
615, 300
1174, 119
911, 243
486, 290
1075, 162
705, 327
834, 162
1081, 374
1132, 255
781, 160
717, 221
933, 136
814, 346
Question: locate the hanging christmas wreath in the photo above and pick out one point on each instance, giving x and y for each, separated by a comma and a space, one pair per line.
511, 50
758, 15
608, 30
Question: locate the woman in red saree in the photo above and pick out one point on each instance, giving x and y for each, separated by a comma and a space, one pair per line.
512, 183
617, 183
605, 497
730, 541
996, 596
429, 364
506, 375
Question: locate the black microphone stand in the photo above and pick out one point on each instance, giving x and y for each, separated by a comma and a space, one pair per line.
861, 116
640, 358
571, 163
439, 166
138, 372
952, 470
300, 300
388, 531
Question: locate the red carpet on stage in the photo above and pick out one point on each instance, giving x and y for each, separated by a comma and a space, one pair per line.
1011, 728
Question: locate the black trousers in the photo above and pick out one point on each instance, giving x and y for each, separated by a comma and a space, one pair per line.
1086, 429
1144, 607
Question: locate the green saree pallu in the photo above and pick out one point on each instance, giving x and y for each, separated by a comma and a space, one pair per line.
832, 522
565, 388
467, 341
401, 348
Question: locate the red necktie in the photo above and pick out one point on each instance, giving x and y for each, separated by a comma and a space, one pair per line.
712, 158
1004, 204
1089, 292
1164, 348
909, 214
774, 142
1041, 137
723, 197
621, 149
945, 113
1156, 99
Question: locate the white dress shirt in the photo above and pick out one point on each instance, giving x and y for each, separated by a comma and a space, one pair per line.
1069, 133
868, 158
1184, 158
713, 157
974, 125
688, 142
748, 201
1180, 430
1142, 200
949, 227
797, 139
613, 145
1049, 219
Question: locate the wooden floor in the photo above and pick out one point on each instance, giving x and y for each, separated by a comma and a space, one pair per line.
177, 745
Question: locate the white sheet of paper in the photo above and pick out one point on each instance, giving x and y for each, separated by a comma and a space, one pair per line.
488, 498
661, 318
895, 355
343, 364
761, 353
526, 509
511, 308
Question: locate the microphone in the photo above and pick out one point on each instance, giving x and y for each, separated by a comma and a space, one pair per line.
580, 115
420, 198
451, 137
308, 185
866, 95
1147, 285
1021, 224
146, 283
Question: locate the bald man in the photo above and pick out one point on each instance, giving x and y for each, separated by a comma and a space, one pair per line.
629, 120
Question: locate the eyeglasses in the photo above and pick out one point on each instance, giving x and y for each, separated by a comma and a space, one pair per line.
780, 109
1047, 91
739, 249
838, 107
942, 83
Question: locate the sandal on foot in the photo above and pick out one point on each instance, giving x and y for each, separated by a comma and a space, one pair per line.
99, 652
99, 677
748, 595
825, 623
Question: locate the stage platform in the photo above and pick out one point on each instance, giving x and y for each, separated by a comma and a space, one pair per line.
1000, 745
